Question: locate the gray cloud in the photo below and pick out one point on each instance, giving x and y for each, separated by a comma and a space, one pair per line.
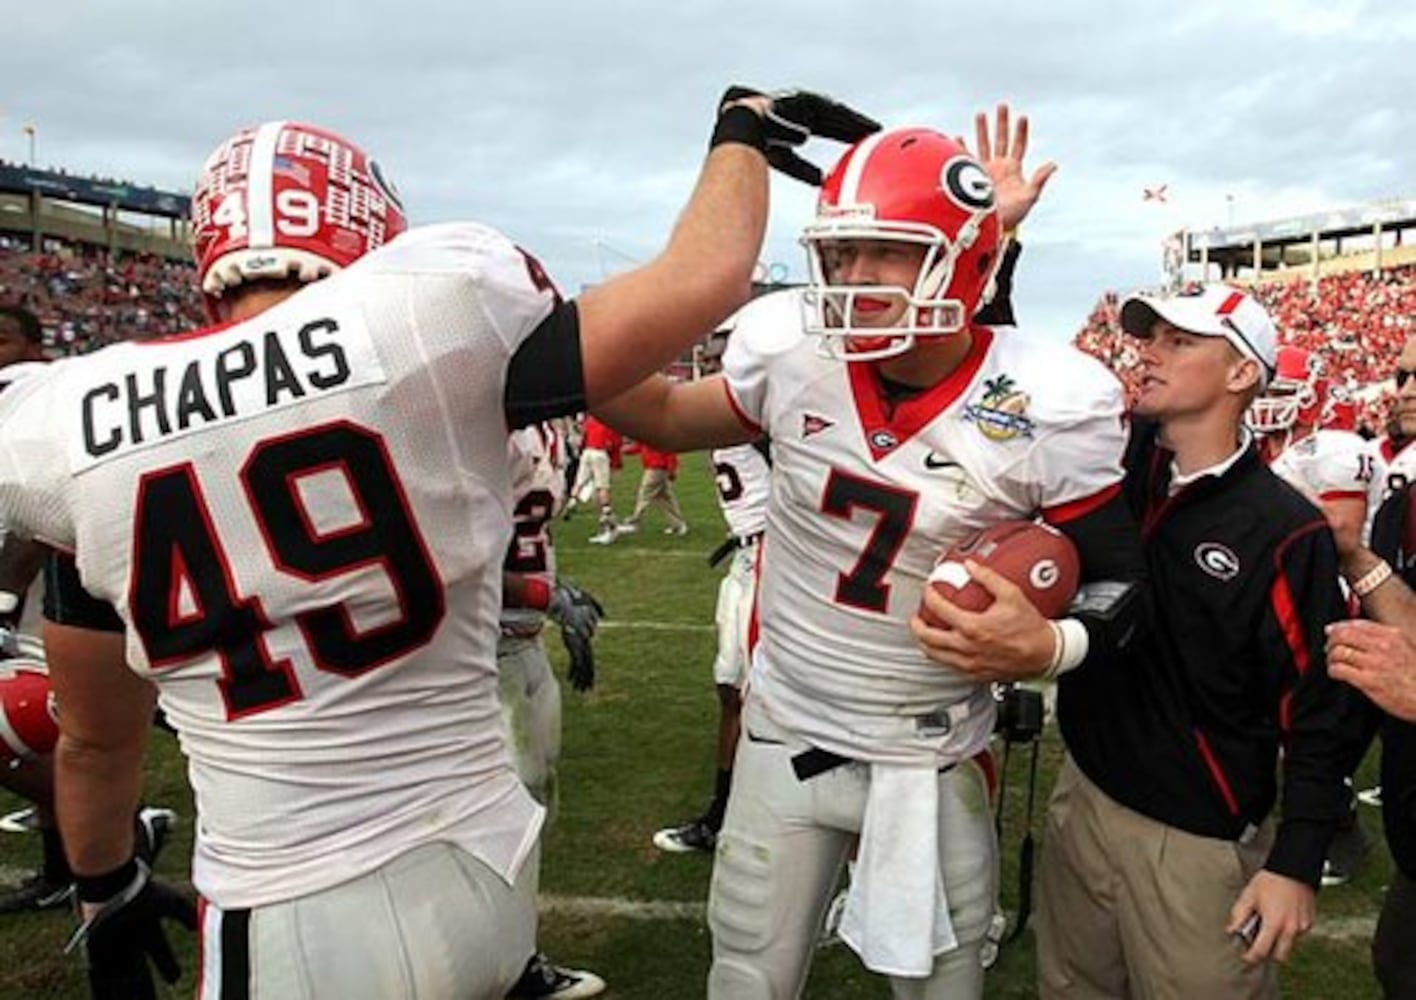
578, 128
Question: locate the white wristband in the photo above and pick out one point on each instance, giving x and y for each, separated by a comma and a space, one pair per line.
1372, 579
1071, 648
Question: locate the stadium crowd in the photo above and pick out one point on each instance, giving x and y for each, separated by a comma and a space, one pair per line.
84, 299
1355, 321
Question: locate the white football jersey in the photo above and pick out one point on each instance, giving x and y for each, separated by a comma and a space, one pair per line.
302, 519
864, 500
1330, 465
743, 478
537, 455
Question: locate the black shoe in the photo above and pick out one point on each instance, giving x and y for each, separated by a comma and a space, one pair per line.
543, 978
695, 836
35, 893
1349, 846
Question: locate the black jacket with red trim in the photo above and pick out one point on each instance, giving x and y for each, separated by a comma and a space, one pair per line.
1185, 725
1394, 539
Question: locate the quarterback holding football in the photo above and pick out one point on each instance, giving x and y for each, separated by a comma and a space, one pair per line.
900, 424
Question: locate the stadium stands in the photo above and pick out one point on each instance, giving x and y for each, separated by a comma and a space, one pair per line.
1356, 320
85, 301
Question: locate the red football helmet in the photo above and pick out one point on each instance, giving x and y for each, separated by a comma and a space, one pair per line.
1340, 412
28, 724
1294, 396
283, 199
917, 186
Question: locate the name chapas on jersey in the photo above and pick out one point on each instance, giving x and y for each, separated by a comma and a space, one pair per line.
219, 378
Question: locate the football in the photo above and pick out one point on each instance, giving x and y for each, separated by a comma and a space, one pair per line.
1036, 557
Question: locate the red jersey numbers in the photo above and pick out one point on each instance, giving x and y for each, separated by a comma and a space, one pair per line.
894, 509
728, 482
527, 552
183, 595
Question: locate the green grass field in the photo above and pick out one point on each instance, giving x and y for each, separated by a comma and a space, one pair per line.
639, 754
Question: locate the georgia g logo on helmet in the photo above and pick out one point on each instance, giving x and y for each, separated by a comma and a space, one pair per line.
965, 181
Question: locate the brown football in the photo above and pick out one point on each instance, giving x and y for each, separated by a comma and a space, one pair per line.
1036, 557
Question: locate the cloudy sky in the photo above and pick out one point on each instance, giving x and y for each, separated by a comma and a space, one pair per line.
578, 128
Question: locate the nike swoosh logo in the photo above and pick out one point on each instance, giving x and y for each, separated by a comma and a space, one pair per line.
933, 461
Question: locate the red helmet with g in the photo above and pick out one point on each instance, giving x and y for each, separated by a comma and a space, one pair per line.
281, 200
28, 724
911, 185
1294, 396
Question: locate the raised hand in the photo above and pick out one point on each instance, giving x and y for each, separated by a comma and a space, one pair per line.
793, 116
1002, 156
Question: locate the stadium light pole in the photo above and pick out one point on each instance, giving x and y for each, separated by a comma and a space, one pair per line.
28, 130
1229, 198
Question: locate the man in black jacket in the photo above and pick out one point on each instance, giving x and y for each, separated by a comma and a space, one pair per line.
1159, 845
1378, 656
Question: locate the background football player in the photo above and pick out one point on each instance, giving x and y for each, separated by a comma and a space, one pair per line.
1336, 469
527, 690
1377, 655
898, 425
741, 475
1327, 464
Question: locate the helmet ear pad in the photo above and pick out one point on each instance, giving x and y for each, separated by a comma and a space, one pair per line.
287, 200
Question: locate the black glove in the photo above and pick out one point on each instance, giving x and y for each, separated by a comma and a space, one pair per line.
126, 931
582, 659
578, 614
796, 115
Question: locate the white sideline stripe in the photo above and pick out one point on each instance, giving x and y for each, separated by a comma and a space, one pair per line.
1345, 928
659, 626
618, 906
1331, 929
593, 907
614, 548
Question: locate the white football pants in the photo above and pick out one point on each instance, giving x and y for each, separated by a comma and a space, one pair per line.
434, 923
780, 852
530, 699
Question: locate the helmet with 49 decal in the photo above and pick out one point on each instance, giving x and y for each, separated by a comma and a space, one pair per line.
910, 186
284, 200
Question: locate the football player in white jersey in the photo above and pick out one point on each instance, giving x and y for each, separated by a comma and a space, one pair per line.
1373, 655
24, 771
527, 690
1336, 468
742, 476
300, 515
899, 425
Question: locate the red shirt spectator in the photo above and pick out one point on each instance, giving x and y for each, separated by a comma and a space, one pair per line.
652, 459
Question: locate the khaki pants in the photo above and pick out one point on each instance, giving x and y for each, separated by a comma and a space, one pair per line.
657, 488
1132, 908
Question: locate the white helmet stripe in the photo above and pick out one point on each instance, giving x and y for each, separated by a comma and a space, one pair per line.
850, 184
11, 738
261, 185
